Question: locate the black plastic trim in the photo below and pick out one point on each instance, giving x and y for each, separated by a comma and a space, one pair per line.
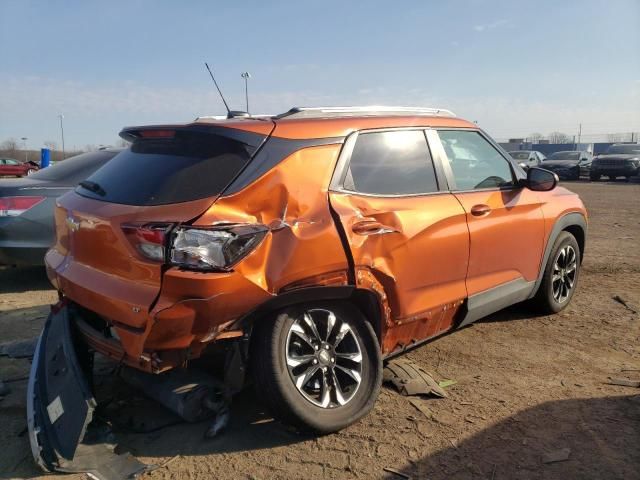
294, 297
490, 301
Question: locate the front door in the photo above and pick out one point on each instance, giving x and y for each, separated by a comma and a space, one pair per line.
405, 229
506, 224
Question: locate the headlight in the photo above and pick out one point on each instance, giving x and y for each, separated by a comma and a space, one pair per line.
213, 248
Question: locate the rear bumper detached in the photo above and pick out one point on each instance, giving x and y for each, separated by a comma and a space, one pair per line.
60, 408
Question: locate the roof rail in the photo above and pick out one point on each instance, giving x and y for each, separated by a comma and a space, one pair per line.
371, 110
226, 117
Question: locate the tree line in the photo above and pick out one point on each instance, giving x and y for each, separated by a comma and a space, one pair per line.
14, 148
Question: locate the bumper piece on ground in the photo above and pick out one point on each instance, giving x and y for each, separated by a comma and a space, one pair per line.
60, 407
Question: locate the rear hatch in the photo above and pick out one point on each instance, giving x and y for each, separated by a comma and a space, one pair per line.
108, 252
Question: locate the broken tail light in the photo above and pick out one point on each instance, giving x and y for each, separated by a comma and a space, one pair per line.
148, 239
214, 248
14, 206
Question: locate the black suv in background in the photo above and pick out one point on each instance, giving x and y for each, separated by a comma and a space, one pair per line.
620, 160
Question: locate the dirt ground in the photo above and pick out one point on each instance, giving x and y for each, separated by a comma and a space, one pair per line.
525, 387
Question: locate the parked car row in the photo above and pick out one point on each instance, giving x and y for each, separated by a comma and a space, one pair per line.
620, 160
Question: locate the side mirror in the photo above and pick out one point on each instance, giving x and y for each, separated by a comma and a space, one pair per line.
541, 180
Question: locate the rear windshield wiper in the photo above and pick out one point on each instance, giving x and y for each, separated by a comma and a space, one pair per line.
93, 187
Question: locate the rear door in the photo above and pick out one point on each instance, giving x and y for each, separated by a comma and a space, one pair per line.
404, 228
506, 224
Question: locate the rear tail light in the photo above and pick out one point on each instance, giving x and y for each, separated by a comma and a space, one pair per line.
197, 248
148, 239
14, 206
214, 248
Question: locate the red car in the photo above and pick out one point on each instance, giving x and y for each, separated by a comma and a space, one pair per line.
10, 168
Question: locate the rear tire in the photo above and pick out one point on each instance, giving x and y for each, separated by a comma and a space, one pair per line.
298, 381
560, 278
594, 177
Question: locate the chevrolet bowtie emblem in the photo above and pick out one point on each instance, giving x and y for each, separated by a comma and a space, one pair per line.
73, 224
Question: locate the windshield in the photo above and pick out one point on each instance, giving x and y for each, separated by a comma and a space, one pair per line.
630, 149
187, 165
519, 155
75, 169
565, 156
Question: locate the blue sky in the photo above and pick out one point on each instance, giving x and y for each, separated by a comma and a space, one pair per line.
514, 66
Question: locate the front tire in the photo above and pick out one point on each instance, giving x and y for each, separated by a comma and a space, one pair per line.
317, 366
594, 177
560, 277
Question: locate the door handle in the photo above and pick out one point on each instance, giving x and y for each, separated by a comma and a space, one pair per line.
371, 227
480, 210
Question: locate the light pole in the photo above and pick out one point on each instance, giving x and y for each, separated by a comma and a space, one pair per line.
246, 76
61, 116
24, 146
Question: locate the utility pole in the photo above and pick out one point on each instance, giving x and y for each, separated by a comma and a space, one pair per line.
579, 132
246, 76
62, 133
24, 146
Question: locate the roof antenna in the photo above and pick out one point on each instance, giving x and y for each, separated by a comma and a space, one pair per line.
229, 114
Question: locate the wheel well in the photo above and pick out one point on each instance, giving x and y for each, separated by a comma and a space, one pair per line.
366, 301
578, 233
369, 305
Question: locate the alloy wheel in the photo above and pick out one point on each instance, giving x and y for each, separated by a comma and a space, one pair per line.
324, 358
564, 273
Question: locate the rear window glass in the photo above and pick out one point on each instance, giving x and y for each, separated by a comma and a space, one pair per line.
519, 155
188, 166
75, 169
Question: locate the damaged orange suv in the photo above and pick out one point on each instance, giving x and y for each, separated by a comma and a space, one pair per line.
313, 245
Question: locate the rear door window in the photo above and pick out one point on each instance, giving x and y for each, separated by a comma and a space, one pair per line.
391, 163
183, 166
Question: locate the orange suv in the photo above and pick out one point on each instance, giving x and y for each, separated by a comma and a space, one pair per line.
320, 242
